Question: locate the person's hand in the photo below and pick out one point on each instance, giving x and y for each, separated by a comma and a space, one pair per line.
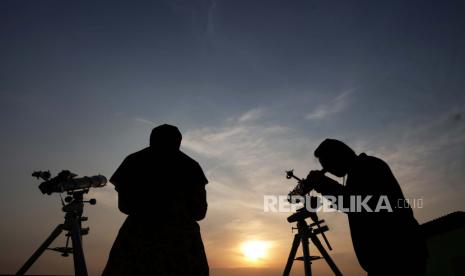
315, 178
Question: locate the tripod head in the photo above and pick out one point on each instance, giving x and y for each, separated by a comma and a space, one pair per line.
302, 214
299, 195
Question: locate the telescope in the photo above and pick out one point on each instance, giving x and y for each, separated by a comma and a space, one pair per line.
302, 188
66, 181
307, 232
73, 207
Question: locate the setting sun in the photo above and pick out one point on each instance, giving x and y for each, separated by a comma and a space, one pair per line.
254, 250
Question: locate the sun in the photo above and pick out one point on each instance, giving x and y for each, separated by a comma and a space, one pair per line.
254, 250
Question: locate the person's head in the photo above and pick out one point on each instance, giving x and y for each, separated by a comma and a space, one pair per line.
165, 137
335, 157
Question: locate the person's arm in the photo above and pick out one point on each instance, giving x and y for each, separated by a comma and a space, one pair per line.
199, 204
121, 182
325, 185
198, 197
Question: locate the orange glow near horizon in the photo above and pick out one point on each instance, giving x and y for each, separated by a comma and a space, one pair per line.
254, 250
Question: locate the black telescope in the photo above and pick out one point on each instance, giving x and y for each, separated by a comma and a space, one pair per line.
73, 206
307, 232
66, 181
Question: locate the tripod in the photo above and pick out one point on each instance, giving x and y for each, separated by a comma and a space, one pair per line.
73, 219
305, 233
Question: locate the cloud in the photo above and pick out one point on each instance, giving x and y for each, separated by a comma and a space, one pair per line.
247, 148
145, 121
244, 159
335, 106
251, 115
427, 158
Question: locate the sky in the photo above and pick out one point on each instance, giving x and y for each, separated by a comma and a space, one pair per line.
254, 86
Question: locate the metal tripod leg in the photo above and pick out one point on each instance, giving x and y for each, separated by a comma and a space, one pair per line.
301, 237
325, 255
80, 268
40, 250
303, 230
290, 260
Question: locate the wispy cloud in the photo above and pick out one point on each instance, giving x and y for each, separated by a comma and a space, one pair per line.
427, 157
335, 106
251, 115
244, 159
145, 121
247, 145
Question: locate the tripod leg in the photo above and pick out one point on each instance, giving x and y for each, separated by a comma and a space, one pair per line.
306, 251
325, 255
40, 250
80, 268
290, 260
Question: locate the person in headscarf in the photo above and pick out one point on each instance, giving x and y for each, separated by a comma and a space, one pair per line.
387, 240
162, 190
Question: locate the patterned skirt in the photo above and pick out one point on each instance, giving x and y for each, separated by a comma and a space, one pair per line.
143, 248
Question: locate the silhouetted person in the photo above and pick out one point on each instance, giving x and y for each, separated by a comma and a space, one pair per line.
162, 190
386, 243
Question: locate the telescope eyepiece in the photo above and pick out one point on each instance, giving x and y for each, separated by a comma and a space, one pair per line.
45, 175
302, 188
289, 174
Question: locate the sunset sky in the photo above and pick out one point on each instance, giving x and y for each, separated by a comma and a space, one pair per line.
254, 86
